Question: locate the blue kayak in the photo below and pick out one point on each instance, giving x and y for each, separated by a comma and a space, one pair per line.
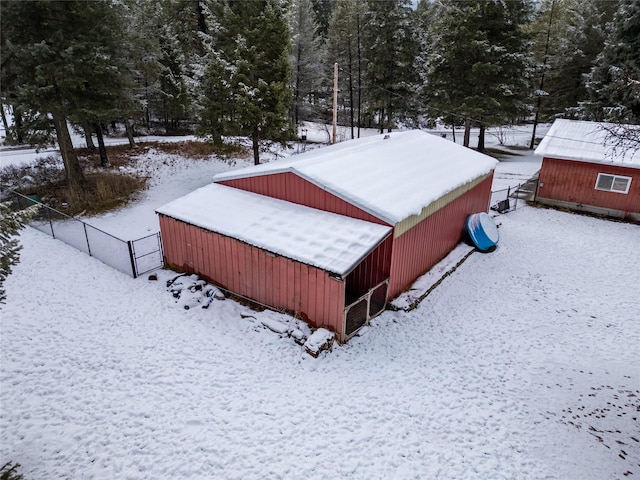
483, 231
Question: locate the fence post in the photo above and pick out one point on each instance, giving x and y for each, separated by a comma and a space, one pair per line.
160, 247
133, 259
86, 237
50, 222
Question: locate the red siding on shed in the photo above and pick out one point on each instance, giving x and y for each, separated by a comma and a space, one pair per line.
373, 270
572, 181
254, 273
424, 245
292, 188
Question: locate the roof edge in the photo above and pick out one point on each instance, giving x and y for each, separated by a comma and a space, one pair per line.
332, 271
408, 223
569, 158
379, 215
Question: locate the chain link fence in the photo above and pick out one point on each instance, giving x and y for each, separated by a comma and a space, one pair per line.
132, 257
506, 200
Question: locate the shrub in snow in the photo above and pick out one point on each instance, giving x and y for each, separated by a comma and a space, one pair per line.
43, 172
9, 471
10, 225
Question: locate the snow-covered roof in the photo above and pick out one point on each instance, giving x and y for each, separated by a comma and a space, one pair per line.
391, 176
329, 241
587, 142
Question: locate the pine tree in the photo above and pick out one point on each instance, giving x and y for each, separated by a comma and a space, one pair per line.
65, 62
323, 10
567, 35
479, 65
424, 18
214, 103
307, 56
182, 59
143, 55
390, 50
10, 225
166, 57
346, 49
251, 56
614, 82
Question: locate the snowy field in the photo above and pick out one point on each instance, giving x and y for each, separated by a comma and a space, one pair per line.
523, 364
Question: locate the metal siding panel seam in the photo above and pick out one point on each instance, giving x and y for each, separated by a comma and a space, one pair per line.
235, 263
311, 299
284, 281
305, 271
220, 260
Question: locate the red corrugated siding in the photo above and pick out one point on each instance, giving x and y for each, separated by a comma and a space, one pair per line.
254, 273
292, 188
373, 270
421, 247
572, 181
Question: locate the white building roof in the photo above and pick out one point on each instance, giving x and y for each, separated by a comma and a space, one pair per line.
329, 241
390, 176
587, 142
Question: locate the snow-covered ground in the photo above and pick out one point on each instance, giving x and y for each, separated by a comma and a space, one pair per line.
524, 363
10, 155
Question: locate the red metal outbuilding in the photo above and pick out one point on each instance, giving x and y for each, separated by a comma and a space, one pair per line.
334, 233
584, 170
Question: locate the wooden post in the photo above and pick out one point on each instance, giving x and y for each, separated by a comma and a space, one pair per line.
335, 102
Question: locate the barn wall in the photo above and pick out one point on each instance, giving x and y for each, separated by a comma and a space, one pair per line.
373, 270
574, 182
292, 188
424, 245
254, 273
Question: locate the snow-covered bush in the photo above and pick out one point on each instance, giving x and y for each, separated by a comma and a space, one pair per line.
10, 224
9, 471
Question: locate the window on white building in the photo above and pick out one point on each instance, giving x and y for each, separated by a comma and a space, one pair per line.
613, 183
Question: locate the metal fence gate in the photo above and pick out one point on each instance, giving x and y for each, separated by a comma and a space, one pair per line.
506, 200
132, 257
146, 254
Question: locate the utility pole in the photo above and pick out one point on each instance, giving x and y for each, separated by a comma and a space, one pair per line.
335, 102
544, 66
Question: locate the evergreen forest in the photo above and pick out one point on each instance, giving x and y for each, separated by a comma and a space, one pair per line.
257, 69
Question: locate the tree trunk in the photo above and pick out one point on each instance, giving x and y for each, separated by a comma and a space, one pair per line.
296, 101
87, 137
350, 78
72, 168
216, 137
4, 119
104, 160
390, 113
202, 24
17, 121
296, 90
453, 128
147, 115
129, 128
256, 146
467, 131
481, 139
359, 72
